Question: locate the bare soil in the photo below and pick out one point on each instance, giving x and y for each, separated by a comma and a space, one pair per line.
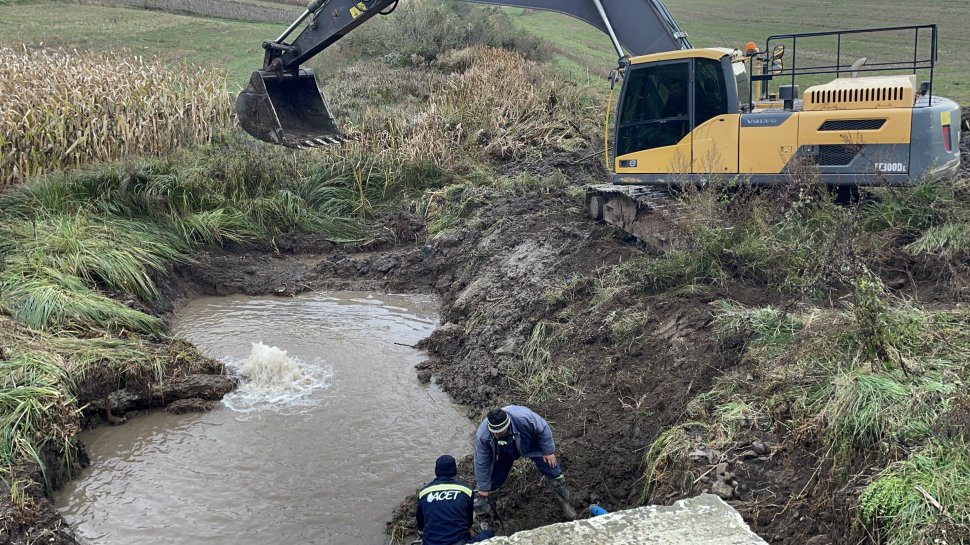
495, 273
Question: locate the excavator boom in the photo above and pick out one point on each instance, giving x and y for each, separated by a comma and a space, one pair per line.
641, 26
283, 105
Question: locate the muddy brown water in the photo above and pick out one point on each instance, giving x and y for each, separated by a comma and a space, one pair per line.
321, 451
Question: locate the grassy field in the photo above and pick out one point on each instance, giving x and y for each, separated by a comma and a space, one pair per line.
726, 23
583, 52
232, 45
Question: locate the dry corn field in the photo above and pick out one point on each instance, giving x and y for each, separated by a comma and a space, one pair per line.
61, 109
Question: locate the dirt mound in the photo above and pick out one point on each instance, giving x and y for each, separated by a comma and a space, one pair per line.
515, 269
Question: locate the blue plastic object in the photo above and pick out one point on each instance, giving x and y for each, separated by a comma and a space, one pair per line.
596, 510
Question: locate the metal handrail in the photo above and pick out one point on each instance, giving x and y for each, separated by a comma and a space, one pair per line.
917, 63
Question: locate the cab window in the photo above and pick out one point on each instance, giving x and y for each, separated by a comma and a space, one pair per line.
655, 110
710, 90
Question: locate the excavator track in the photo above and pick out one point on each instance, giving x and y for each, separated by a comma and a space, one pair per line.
640, 211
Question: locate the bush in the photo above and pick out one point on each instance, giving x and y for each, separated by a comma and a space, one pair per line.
421, 31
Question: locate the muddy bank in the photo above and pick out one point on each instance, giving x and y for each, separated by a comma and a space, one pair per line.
508, 267
524, 271
107, 394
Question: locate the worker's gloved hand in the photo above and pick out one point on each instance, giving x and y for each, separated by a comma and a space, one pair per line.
480, 505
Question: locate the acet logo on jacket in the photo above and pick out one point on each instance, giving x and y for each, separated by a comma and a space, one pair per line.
443, 495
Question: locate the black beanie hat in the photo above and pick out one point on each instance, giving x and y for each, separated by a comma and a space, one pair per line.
445, 467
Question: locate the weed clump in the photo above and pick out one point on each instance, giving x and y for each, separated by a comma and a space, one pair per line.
921, 500
538, 377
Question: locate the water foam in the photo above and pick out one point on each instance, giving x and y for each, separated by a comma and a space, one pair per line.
272, 380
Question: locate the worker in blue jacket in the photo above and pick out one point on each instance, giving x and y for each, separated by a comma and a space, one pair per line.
508, 434
445, 508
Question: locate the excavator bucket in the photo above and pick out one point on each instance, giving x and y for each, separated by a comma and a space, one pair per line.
288, 110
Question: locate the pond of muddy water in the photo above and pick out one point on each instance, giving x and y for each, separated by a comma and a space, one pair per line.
318, 445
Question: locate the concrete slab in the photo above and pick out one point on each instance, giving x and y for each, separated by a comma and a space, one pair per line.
702, 520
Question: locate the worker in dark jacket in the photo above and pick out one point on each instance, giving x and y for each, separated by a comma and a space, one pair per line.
445, 508
508, 434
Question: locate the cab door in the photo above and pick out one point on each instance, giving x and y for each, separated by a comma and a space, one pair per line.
715, 124
654, 121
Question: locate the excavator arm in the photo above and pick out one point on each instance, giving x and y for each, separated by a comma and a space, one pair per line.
640, 26
283, 105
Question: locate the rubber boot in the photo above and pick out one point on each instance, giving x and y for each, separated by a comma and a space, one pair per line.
562, 496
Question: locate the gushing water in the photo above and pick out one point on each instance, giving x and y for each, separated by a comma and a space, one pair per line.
274, 381
269, 368
328, 432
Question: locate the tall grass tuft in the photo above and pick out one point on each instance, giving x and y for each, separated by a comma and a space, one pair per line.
670, 446
46, 298
922, 500
35, 409
538, 377
61, 109
863, 412
117, 256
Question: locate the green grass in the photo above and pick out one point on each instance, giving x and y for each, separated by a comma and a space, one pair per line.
581, 51
726, 23
766, 329
864, 413
538, 378
669, 448
45, 298
922, 500
78, 245
813, 374
41, 375
120, 256
629, 327
35, 409
933, 216
864, 381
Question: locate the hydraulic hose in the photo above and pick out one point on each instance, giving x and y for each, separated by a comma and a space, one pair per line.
606, 131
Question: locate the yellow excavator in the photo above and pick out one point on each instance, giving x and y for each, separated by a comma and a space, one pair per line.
686, 114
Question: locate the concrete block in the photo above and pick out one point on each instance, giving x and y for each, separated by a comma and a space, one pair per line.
702, 520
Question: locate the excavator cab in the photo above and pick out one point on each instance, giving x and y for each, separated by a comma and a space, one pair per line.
287, 109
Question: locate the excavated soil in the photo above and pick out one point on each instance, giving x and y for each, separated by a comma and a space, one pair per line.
496, 274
